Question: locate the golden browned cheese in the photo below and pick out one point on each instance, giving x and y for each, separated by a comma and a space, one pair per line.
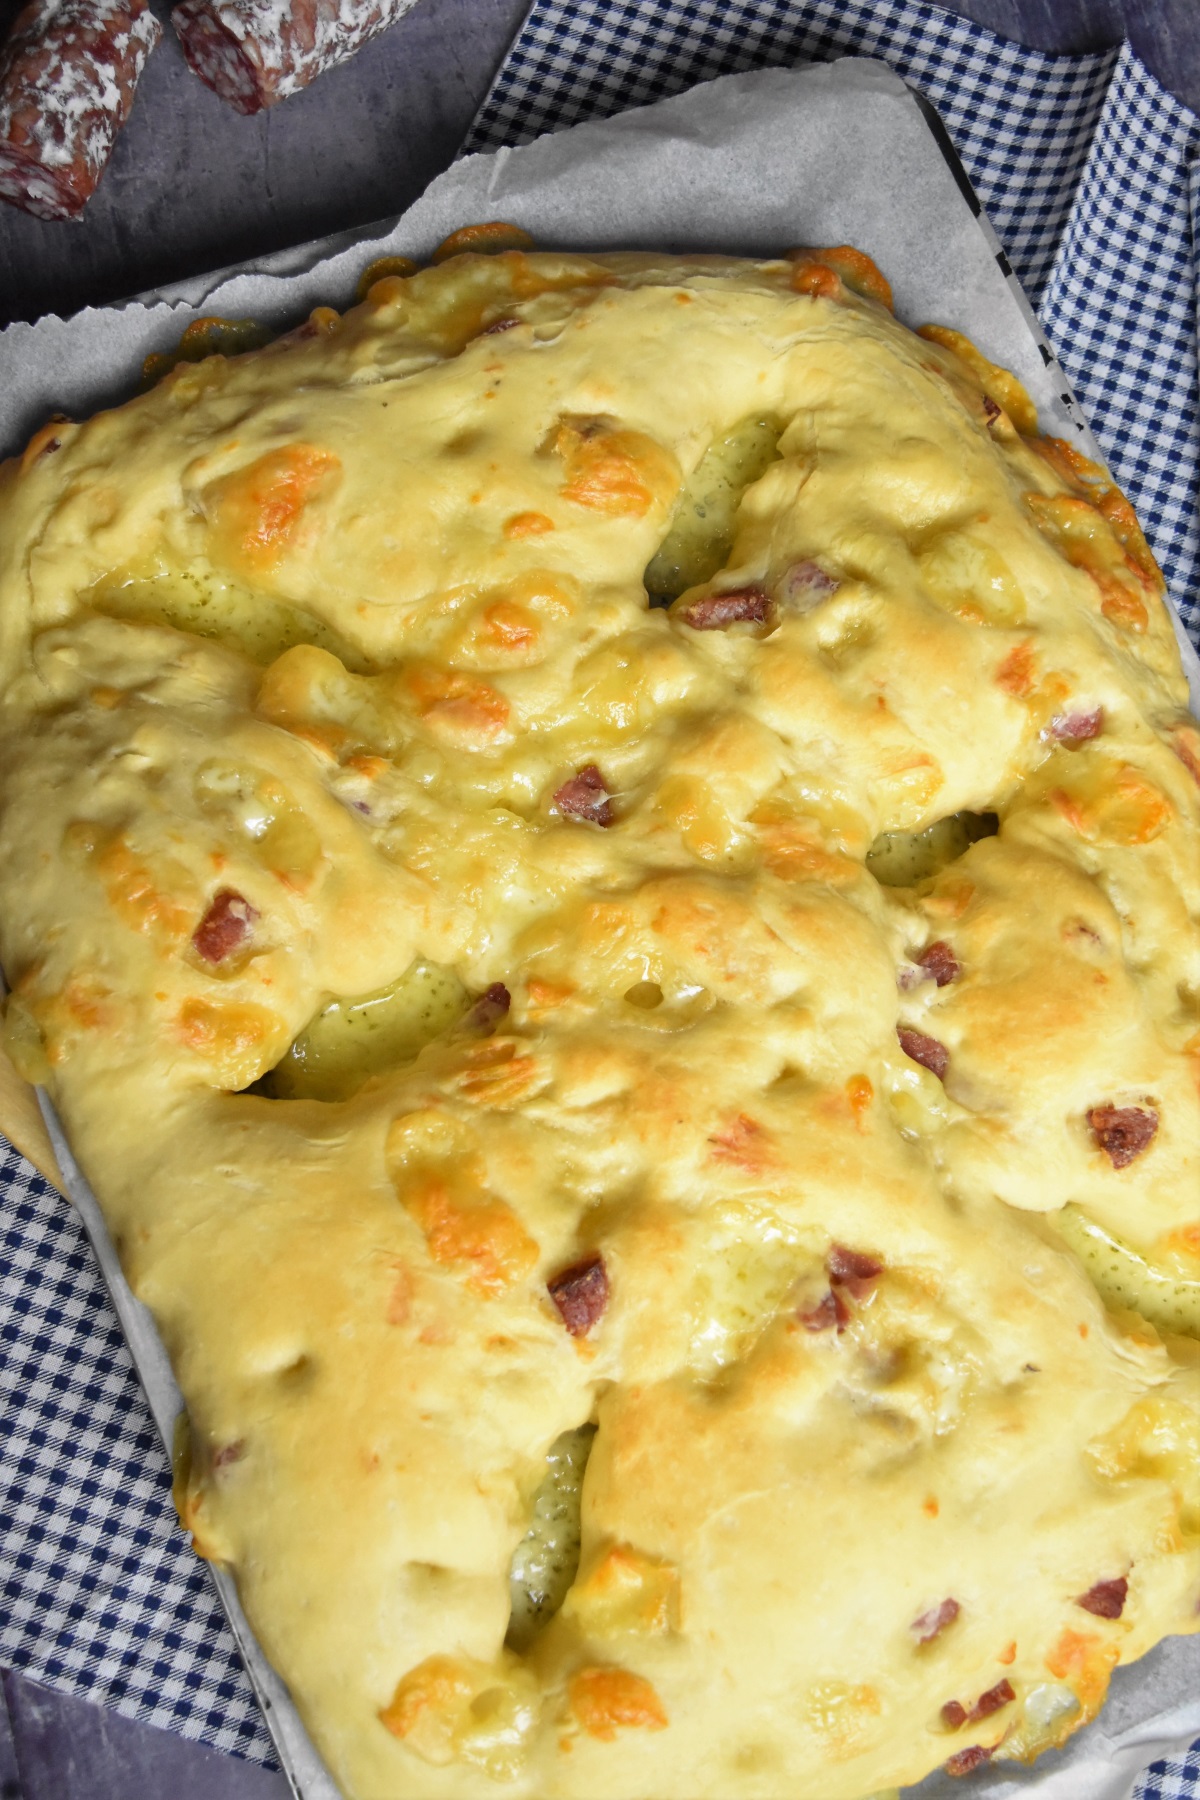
728, 1050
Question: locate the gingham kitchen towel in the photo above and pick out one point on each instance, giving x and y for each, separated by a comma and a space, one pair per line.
1084, 165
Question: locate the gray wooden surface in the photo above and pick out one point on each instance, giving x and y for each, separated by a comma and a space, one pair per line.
193, 186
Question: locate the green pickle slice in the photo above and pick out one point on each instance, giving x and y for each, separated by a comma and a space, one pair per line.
701, 534
353, 1039
1124, 1278
900, 859
546, 1560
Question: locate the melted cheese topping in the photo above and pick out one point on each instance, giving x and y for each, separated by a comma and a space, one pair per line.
485, 1001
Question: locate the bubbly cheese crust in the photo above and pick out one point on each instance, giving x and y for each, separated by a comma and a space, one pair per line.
754, 1090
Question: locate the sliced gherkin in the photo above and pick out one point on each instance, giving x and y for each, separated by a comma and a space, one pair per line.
1125, 1278
353, 1039
545, 1562
904, 858
701, 534
259, 626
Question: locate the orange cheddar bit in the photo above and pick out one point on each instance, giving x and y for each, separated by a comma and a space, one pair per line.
1082, 534
546, 996
457, 707
1125, 809
1186, 745
1000, 383
817, 280
1008, 1655
257, 512
482, 1232
85, 1002
1077, 470
1120, 604
1091, 481
364, 763
627, 1591
215, 1030
860, 1094
620, 473
854, 267
495, 1076
1015, 674
528, 524
1128, 533
508, 626
482, 240
1086, 1664
136, 897
1185, 1241
744, 1144
604, 1701
438, 1685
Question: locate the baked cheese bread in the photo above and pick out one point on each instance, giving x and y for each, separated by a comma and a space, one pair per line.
602, 859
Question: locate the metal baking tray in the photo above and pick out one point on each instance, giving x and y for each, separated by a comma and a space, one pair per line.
822, 154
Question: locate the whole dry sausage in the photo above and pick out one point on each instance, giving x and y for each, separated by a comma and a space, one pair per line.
254, 53
67, 78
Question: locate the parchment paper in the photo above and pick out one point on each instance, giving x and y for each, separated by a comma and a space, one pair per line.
835, 153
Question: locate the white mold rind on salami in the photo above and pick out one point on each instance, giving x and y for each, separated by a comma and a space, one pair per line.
68, 74
254, 53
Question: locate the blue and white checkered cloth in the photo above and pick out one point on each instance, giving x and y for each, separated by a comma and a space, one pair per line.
1087, 170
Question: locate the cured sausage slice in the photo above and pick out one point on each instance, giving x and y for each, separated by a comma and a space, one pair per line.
67, 78
254, 53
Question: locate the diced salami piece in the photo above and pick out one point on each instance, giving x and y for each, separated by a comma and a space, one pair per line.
925, 1050
932, 1623
254, 53
225, 926
964, 1762
1107, 1599
1123, 1132
585, 796
955, 1714
712, 612
581, 1294
940, 961
1077, 727
805, 585
991, 412
67, 78
832, 1314
490, 1008
853, 1270
1003, 1694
